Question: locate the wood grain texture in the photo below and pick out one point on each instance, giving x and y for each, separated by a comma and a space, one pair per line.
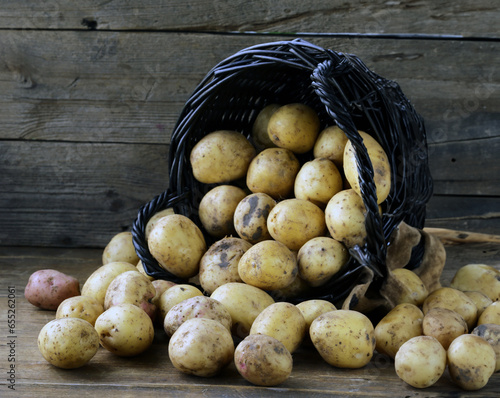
151, 373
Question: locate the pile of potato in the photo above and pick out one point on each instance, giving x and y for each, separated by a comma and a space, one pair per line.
288, 230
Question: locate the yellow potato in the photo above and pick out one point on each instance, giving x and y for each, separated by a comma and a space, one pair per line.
311, 309
217, 207
120, 248
400, 324
177, 244
283, 321
380, 164
444, 325
260, 137
491, 314
268, 265
330, 144
273, 172
295, 221
142, 270
175, 295
319, 259
221, 156
479, 277
250, 217
480, 299
293, 290
83, 307
317, 181
154, 219
244, 303
294, 127
491, 333
414, 290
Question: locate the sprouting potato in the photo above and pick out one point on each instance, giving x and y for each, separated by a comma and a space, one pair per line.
83, 307
330, 144
443, 324
120, 248
250, 217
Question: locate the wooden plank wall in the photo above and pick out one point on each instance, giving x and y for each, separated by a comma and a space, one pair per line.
90, 91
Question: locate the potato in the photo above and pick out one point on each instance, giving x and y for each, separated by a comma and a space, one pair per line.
343, 338
221, 156
455, 300
268, 265
414, 290
260, 137
97, 283
380, 164
319, 259
294, 127
444, 325
421, 361
47, 288
196, 307
174, 295
399, 325
480, 299
142, 270
345, 218
317, 181
68, 343
250, 217
178, 244
160, 286
283, 321
295, 221
471, 361
217, 207
219, 265
120, 248
125, 330
83, 307
244, 303
273, 172
313, 308
491, 333
134, 288
479, 277
201, 347
295, 289
154, 219
263, 360
491, 314
330, 144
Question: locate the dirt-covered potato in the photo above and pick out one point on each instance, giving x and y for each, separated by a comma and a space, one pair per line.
201, 347
380, 163
125, 330
455, 300
345, 218
47, 288
173, 296
421, 361
295, 221
479, 277
491, 314
480, 299
283, 321
244, 303
319, 259
471, 361
120, 248
83, 307
344, 338
154, 219
263, 360
273, 172
219, 265
178, 244
250, 217
330, 144
260, 137
217, 207
401, 324
414, 290
491, 333
196, 307
221, 156
97, 283
444, 325
317, 181
68, 343
134, 288
268, 265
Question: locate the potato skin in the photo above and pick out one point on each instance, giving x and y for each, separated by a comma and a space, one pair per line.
263, 360
444, 325
479, 277
83, 307
414, 290
260, 137
120, 248
491, 314
173, 296
250, 217
491, 333
330, 144
221, 156
47, 288
201, 347
68, 343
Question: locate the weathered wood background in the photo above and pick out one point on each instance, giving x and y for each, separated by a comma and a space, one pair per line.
90, 92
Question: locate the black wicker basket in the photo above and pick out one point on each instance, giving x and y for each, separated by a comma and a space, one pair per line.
344, 92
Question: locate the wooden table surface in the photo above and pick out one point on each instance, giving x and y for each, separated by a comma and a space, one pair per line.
152, 374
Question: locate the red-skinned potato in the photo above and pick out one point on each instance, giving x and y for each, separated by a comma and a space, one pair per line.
47, 288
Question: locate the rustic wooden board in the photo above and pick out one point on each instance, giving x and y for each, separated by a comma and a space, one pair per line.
151, 373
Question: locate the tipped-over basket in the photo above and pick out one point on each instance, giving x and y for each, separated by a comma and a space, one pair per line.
344, 92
